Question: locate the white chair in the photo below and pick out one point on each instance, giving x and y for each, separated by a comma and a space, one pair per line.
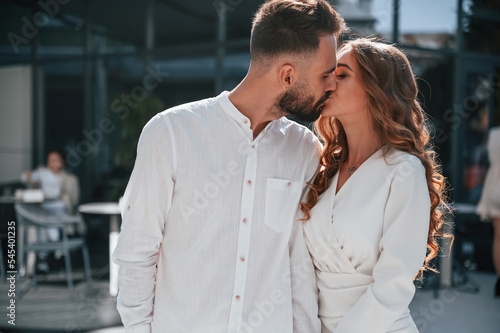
29, 216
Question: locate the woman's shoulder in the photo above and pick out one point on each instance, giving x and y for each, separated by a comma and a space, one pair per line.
395, 156
68, 174
401, 164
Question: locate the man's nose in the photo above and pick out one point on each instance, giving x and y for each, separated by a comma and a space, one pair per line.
332, 82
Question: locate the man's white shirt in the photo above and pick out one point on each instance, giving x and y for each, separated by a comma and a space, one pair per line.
209, 239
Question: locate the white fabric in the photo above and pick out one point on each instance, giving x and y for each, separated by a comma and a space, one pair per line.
368, 242
489, 205
215, 210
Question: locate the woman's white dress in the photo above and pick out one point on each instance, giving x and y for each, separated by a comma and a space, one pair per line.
368, 242
489, 205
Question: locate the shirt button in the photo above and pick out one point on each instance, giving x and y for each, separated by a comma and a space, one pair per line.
242, 259
128, 208
237, 297
253, 146
288, 184
249, 182
245, 220
245, 121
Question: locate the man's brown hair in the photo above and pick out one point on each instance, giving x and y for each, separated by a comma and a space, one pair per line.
292, 27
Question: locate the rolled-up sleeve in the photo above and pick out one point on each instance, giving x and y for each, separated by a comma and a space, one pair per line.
144, 208
402, 253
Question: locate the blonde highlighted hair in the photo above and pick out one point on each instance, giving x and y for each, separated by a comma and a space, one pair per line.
399, 122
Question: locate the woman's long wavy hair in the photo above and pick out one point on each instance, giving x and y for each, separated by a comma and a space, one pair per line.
399, 122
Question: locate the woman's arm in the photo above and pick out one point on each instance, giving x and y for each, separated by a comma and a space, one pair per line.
31, 176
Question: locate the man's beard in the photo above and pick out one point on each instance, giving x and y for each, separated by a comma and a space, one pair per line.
301, 106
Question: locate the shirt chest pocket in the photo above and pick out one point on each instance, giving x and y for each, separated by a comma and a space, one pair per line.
282, 200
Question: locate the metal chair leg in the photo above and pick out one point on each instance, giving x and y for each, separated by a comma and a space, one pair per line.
69, 275
86, 263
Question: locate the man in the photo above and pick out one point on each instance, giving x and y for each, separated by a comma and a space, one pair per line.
209, 233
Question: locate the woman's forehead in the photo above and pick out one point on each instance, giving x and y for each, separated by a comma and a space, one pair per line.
345, 55
54, 155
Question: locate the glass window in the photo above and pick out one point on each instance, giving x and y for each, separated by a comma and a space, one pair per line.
425, 23
18, 32
478, 110
435, 73
383, 12
482, 26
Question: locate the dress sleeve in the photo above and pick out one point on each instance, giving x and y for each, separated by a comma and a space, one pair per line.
146, 203
402, 252
303, 277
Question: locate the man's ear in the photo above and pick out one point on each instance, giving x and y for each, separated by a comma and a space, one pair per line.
287, 75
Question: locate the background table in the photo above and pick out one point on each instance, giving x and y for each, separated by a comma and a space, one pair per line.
111, 209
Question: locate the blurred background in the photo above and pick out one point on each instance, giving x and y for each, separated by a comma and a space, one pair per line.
85, 76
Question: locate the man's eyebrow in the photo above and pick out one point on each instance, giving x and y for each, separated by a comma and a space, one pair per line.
329, 71
344, 65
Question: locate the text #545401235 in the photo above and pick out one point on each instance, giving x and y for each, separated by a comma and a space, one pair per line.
11, 272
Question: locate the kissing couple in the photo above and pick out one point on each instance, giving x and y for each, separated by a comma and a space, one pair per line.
237, 219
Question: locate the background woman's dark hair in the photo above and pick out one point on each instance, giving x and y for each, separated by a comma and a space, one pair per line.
58, 151
292, 27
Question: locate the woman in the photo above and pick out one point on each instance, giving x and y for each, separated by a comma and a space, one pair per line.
489, 205
60, 187
372, 210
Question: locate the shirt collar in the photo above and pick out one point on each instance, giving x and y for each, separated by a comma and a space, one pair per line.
232, 111
239, 117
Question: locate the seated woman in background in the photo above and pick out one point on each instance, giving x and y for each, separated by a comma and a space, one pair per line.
61, 191
371, 214
60, 187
